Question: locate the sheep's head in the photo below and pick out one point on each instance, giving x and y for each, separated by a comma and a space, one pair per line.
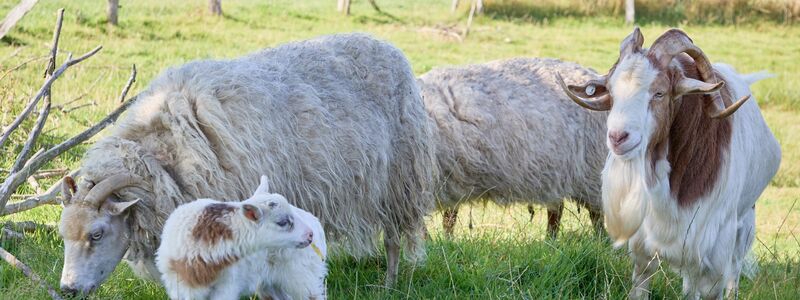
644, 89
95, 231
278, 226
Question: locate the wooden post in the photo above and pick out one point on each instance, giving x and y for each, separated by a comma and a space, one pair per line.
630, 12
215, 6
113, 6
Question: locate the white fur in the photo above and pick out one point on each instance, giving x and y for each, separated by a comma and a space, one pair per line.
708, 241
270, 264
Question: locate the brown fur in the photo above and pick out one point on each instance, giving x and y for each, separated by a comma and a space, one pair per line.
199, 273
210, 227
696, 143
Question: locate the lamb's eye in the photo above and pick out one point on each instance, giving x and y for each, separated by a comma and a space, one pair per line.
283, 223
96, 235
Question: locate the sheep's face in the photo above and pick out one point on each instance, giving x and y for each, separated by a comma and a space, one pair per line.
95, 240
278, 226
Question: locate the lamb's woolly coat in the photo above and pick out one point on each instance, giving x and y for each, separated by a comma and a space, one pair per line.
507, 133
336, 121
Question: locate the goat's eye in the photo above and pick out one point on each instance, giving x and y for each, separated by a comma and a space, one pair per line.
97, 235
659, 95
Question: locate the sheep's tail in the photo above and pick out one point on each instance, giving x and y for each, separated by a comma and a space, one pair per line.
750, 266
752, 78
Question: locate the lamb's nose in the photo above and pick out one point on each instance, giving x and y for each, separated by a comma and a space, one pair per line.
617, 137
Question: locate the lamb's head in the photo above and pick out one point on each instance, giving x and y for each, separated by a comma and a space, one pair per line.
95, 231
644, 89
275, 222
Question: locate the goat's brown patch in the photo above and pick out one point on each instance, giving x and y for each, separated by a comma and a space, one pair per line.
696, 143
210, 227
197, 272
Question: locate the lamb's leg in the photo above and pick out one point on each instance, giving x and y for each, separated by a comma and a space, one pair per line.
392, 244
554, 220
531, 211
449, 218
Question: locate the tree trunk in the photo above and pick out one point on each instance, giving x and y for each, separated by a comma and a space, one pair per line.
479, 7
344, 7
630, 12
215, 6
454, 6
113, 6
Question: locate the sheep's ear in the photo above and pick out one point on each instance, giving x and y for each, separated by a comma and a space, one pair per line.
68, 188
252, 212
117, 208
263, 187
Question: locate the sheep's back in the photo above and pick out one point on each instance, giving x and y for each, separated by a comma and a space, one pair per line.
507, 132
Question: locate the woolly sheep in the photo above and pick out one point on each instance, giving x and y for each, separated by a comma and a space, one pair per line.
504, 131
336, 121
223, 250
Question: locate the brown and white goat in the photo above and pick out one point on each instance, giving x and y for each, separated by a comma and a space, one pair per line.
683, 175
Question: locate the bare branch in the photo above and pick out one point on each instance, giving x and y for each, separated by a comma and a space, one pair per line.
51, 66
14, 180
34, 135
10, 234
42, 91
35, 184
15, 15
131, 80
28, 226
14, 262
48, 197
50, 173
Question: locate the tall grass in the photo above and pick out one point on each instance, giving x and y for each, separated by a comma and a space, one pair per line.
669, 12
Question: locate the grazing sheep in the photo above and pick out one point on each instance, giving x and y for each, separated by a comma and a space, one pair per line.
336, 121
685, 172
223, 250
506, 133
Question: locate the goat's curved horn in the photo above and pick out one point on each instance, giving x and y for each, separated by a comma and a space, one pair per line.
102, 190
674, 42
600, 103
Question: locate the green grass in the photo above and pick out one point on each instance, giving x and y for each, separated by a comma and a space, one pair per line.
503, 255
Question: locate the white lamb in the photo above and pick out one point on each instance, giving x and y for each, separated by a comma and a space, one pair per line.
223, 250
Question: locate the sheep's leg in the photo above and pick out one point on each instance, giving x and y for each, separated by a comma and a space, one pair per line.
554, 220
392, 244
449, 218
531, 211
597, 220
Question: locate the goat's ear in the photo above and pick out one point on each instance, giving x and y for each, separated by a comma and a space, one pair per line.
263, 187
252, 212
687, 86
68, 188
117, 208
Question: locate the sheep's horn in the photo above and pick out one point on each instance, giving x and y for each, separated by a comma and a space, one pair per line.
722, 114
600, 103
102, 190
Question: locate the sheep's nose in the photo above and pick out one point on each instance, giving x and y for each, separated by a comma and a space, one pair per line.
618, 137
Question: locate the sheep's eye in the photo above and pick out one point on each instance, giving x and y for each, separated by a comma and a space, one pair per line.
97, 235
659, 95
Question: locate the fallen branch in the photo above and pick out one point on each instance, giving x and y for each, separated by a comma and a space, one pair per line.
35, 184
10, 234
14, 262
15, 15
27, 226
50, 173
131, 80
49, 197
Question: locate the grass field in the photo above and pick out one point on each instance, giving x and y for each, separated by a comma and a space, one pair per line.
502, 254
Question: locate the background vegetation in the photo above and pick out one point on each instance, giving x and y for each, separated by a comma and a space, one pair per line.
497, 252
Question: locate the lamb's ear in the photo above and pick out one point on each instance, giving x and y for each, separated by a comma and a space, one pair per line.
117, 208
252, 212
263, 187
68, 188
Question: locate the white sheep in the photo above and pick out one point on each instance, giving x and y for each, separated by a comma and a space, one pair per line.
222, 250
505, 132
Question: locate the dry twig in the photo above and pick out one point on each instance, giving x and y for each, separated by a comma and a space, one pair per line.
14, 262
131, 80
48, 197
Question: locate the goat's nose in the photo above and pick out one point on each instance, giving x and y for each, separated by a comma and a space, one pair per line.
310, 235
617, 137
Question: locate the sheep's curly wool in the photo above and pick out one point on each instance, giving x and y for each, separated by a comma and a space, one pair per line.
336, 123
506, 132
